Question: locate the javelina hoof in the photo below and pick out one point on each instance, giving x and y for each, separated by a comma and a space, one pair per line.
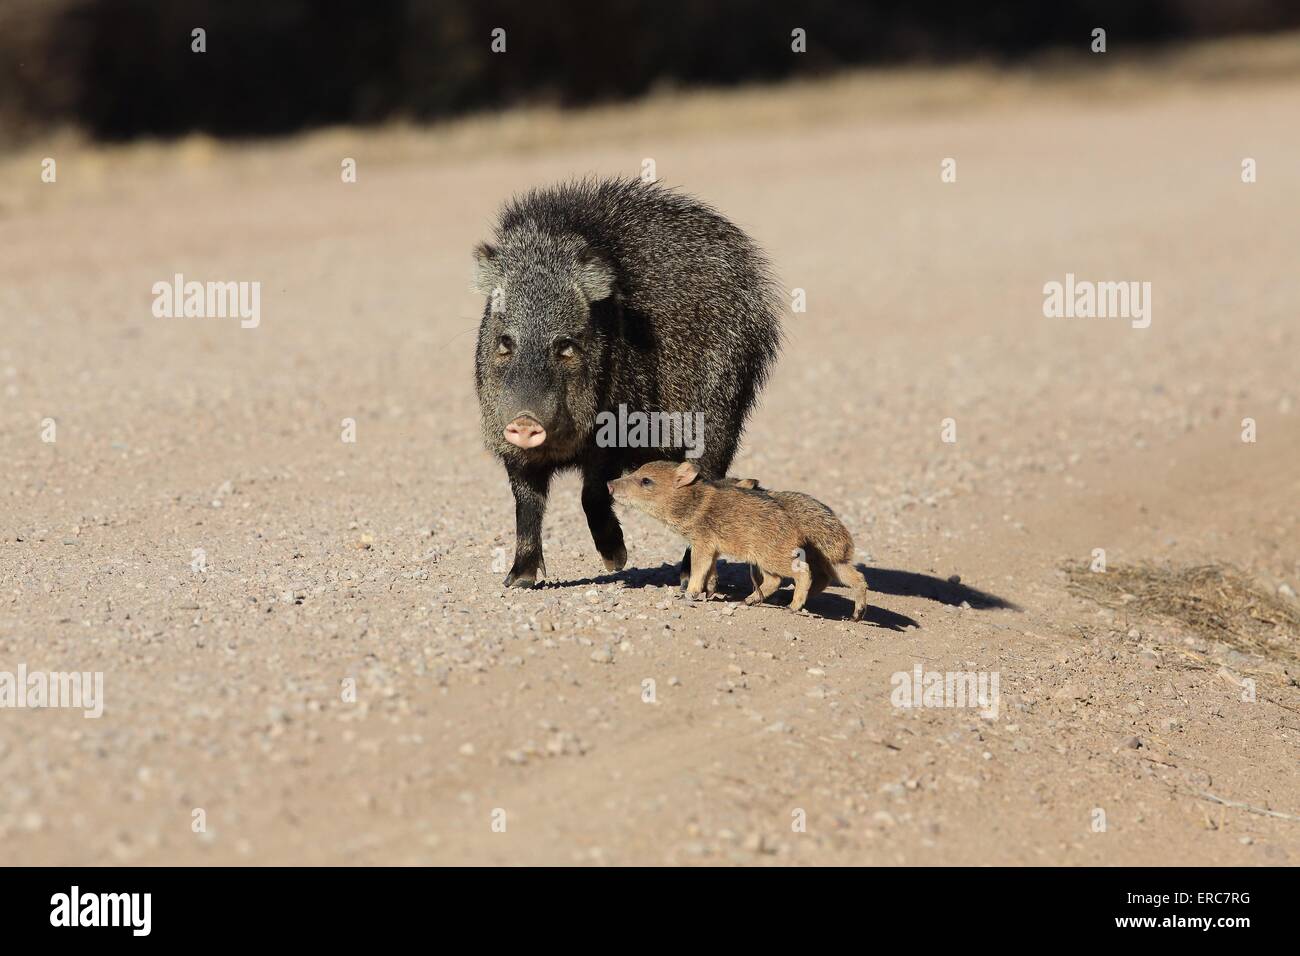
525, 577
616, 561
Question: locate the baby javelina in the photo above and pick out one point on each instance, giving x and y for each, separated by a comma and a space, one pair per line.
730, 518
829, 545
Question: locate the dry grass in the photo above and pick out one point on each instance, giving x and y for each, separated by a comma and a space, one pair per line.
1216, 601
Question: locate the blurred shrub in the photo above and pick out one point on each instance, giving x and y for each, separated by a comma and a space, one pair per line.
123, 68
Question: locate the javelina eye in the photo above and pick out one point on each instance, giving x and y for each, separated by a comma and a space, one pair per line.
566, 348
646, 482
504, 345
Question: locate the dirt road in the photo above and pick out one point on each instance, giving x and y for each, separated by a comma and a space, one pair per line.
199, 530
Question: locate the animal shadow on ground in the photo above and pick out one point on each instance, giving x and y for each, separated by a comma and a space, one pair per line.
950, 591
734, 582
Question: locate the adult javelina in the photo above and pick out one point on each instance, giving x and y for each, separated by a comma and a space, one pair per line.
611, 292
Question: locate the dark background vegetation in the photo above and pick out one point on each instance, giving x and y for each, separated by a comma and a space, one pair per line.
123, 68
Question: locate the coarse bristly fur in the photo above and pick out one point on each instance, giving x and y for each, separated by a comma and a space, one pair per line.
603, 293
783, 538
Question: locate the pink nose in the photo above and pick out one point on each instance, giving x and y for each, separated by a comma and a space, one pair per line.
610, 486
525, 432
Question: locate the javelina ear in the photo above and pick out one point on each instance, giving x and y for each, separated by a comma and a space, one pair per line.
594, 275
487, 269
684, 474
746, 482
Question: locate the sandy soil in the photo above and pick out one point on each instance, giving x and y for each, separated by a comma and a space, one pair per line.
372, 561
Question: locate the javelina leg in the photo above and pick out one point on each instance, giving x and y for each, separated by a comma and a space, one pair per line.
713, 464
802, 585
703, 569
712, 584
765, 588
530, 487
598, 505
854, 579
822, 573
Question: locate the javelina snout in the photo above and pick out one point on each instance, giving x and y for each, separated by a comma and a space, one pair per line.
525, 431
